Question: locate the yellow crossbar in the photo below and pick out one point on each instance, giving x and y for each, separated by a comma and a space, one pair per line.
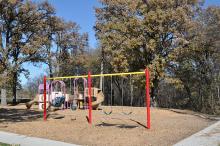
97, 75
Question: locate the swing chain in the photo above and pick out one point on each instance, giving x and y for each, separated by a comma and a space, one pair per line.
131, 96
110, 112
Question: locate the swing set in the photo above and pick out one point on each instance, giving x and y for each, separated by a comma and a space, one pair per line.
122, 97
89, 91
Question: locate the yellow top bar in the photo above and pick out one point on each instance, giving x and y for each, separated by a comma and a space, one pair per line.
97, 75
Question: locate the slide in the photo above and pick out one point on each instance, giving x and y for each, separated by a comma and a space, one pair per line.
97, 94
99, 99
30, 103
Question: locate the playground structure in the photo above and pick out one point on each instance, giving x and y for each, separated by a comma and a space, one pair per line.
95, 93
80, 96
56, 96
51, 95
40, 95
83, 96
39, 98
91, 92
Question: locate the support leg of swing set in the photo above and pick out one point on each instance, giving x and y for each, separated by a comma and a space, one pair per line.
90, 98
45, 98
147, 97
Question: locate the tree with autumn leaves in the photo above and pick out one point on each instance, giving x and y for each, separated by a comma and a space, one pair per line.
139, 34
29, 33
178, 40
163, 35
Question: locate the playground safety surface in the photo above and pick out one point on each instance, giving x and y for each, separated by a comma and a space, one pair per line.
167, 127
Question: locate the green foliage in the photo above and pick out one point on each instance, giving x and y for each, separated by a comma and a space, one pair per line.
4, 144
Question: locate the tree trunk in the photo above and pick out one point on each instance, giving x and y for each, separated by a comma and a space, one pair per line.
14, 87
190, 101
3, 91
50, 69
113, 97
154, 92
1, 44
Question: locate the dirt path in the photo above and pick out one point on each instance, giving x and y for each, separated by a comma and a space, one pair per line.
167, 127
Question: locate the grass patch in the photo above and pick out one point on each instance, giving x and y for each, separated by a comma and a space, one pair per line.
4, 144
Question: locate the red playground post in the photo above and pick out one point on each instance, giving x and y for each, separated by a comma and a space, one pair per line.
148, 96
90, 97
45, 98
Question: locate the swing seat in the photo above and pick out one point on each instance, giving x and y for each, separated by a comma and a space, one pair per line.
129, 113
107, 113
73, 106
58, 101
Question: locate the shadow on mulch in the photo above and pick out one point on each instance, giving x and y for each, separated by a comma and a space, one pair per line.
103, 124
19, 115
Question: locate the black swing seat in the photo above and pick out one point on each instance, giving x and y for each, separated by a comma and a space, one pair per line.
129, 113
107, 113
58, 101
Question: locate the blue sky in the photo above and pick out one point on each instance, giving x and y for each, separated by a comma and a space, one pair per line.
212, 2
82, 12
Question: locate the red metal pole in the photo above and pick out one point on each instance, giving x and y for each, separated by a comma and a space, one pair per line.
90, 97
45, 98
148, 96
